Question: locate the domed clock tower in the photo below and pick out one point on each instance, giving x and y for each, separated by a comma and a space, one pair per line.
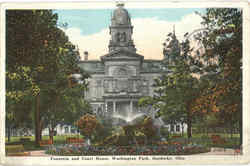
122, 76
121, 30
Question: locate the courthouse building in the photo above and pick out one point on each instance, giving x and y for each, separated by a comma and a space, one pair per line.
122, 76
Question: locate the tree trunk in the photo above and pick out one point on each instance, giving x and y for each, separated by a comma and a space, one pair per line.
51, 129
37, 120
9, 131
231, 131
40, 129
146, 141
189, 128
241, 132
182, 129
189, 123
51, 135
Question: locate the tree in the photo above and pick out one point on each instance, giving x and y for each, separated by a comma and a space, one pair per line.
63, 103
87, 124
20, 88
27, 36
178, 87
223, 57
39, 60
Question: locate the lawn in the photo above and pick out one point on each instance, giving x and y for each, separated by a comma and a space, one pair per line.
200, 135
30, 145
203, 139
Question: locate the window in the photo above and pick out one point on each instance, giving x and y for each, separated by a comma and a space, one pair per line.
73, 131
177, 128
172, 128
66, 129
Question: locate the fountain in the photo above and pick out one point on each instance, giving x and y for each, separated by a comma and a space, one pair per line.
129, 118
132, 126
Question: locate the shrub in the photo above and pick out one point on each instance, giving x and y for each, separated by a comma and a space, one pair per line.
101, 133
15, 150
163, 149
87, 124
165, 133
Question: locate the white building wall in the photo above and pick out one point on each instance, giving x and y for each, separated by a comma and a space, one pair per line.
61, 130
181, 128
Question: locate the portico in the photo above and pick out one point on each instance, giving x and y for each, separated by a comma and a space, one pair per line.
121, 106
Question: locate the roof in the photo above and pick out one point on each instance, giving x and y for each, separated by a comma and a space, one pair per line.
151, 66
97, 67
122, 54
92, 66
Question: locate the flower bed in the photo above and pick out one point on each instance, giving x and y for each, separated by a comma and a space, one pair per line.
74, 140
164, 149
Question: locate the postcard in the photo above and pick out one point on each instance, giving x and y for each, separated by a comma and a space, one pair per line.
125, 82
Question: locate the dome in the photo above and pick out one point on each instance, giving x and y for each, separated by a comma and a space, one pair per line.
120, 15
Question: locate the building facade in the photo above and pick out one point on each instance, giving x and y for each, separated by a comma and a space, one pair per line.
122, 76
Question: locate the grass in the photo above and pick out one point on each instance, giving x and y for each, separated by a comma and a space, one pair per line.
30, 145
203, 139
223, 135
200, 135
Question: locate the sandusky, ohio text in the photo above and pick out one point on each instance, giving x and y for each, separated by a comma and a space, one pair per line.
96, 158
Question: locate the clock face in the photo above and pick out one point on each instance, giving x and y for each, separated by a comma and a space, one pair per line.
120, 20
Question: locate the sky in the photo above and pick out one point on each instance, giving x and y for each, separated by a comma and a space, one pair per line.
89, 28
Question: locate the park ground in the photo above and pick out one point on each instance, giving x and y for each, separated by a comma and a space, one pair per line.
229, 147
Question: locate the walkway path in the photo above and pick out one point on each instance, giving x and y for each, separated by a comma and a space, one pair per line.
214, 151
38, 153
221, 151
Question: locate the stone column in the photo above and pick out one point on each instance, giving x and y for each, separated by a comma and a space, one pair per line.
131, 105
114, 106
105, 111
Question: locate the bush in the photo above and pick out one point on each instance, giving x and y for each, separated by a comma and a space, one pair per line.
122, 141
15, 150
87, 125
24, 139
163, 149
101, 133
165, 133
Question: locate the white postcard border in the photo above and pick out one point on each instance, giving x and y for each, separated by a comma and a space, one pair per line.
194, 159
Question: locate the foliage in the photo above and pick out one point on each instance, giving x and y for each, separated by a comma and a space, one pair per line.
178, 86
147, 128
164, 132
170, 149
39, 61
142, 132
198, 139
223, 58
102, 132
87, 124
206, 87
